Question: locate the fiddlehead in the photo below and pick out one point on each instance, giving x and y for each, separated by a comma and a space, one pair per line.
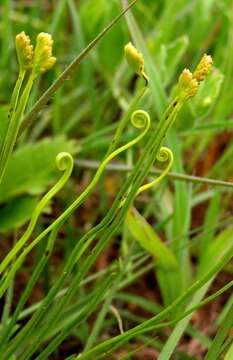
64, 162
164, 155
139, 119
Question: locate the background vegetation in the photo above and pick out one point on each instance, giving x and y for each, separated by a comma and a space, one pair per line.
186, 220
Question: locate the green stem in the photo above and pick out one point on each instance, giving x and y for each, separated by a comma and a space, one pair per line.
13, 105
165, 154
140, 172
125, 119
75, 283
7, 331
91, 306
8, 300
109, 224
16, 91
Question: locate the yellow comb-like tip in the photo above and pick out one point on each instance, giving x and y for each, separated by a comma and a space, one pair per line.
188, 85
135, 60
24, 51
203, 68
43, 53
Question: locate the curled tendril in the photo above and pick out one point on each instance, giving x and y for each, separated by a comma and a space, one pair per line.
164, 155
64, 162
140, 119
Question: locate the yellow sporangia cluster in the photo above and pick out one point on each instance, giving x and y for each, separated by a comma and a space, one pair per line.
135, 60
40, 60
188, 82
203, 68
24, 51
43, 53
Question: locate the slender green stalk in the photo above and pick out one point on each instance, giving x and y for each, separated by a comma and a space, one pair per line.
7, 330
8, 299
105, 308
164, 155
64, 163
90, 307
111, 222
196, 307
115, 219
141, 119
138, 259
125, 119
16, 91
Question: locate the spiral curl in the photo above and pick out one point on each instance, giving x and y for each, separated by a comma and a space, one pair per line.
64, 162
140, 119
164, 155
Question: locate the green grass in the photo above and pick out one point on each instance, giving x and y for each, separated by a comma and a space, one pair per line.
84, 275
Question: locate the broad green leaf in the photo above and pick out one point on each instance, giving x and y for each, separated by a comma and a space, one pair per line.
32, 168
149, 240
16, 212
166, 266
